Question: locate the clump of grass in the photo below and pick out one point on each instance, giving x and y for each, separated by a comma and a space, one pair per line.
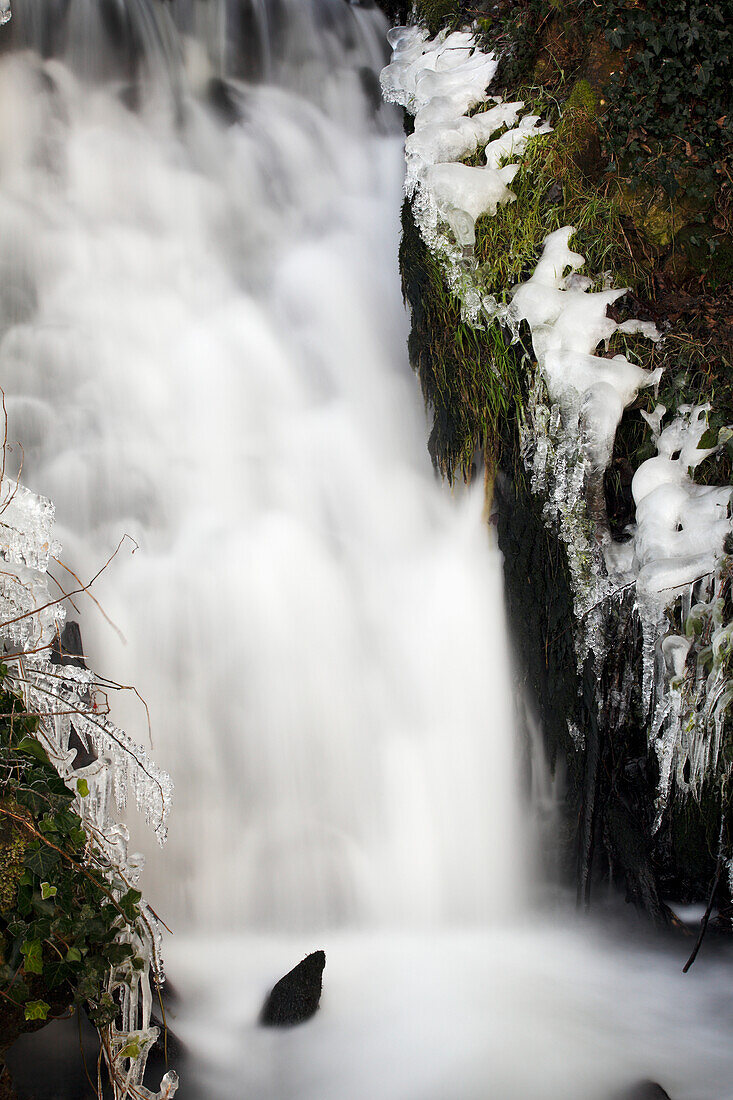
551, 192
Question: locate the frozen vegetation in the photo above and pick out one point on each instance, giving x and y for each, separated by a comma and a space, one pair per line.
69, 699
673, 556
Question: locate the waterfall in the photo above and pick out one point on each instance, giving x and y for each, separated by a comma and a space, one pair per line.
202, 345
209, 354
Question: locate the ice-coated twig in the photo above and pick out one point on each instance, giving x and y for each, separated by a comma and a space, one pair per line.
67, 700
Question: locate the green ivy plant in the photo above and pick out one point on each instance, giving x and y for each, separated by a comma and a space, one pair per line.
61, 908
670, 102
667, 123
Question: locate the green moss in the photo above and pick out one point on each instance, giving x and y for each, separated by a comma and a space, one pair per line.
582, 97
13, 844
472, 380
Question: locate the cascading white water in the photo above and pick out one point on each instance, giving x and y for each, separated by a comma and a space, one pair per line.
214, 362
203, 346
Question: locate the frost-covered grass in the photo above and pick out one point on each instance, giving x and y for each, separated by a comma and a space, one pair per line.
548, 196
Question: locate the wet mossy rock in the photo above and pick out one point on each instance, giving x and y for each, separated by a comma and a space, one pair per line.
646, 1090
434, 14
577, 131
657, 216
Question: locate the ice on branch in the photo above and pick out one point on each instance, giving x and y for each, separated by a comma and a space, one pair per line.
71, 706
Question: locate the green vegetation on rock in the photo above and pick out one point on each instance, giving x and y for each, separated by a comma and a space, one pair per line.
61, 908
582, 69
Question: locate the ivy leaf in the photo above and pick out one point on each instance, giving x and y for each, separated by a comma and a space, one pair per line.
116, 953
37, 1010
73, 955
708, 439
41, 860
130, 1050
33, 961
129, 904
56, 972
82, 787
67, 821
48, 891
105, 1011
34, 748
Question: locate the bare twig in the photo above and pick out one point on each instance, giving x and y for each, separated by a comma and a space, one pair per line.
76, 591
714, 889
94, 599
706, 917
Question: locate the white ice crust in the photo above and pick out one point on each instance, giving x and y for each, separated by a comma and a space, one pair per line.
438, 81
568, 323
681, 526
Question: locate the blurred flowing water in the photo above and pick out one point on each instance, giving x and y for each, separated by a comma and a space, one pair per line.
203, 346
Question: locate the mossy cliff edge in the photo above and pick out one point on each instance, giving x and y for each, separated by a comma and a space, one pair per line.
663, 229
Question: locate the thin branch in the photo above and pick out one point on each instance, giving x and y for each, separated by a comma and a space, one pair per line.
75, 592
95, 720
706, 917
716, 881
61, 589
94, 599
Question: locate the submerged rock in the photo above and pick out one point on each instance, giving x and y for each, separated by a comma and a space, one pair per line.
645, 1090
295, 997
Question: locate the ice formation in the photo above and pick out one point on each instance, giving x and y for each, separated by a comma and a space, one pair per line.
678, 547
568, 323
5, 12
577, 398
439, 80
680, 526
67, 699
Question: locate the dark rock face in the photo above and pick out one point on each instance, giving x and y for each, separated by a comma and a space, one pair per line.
223, 101
68, 648
395, 10
610, 792
295, 997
